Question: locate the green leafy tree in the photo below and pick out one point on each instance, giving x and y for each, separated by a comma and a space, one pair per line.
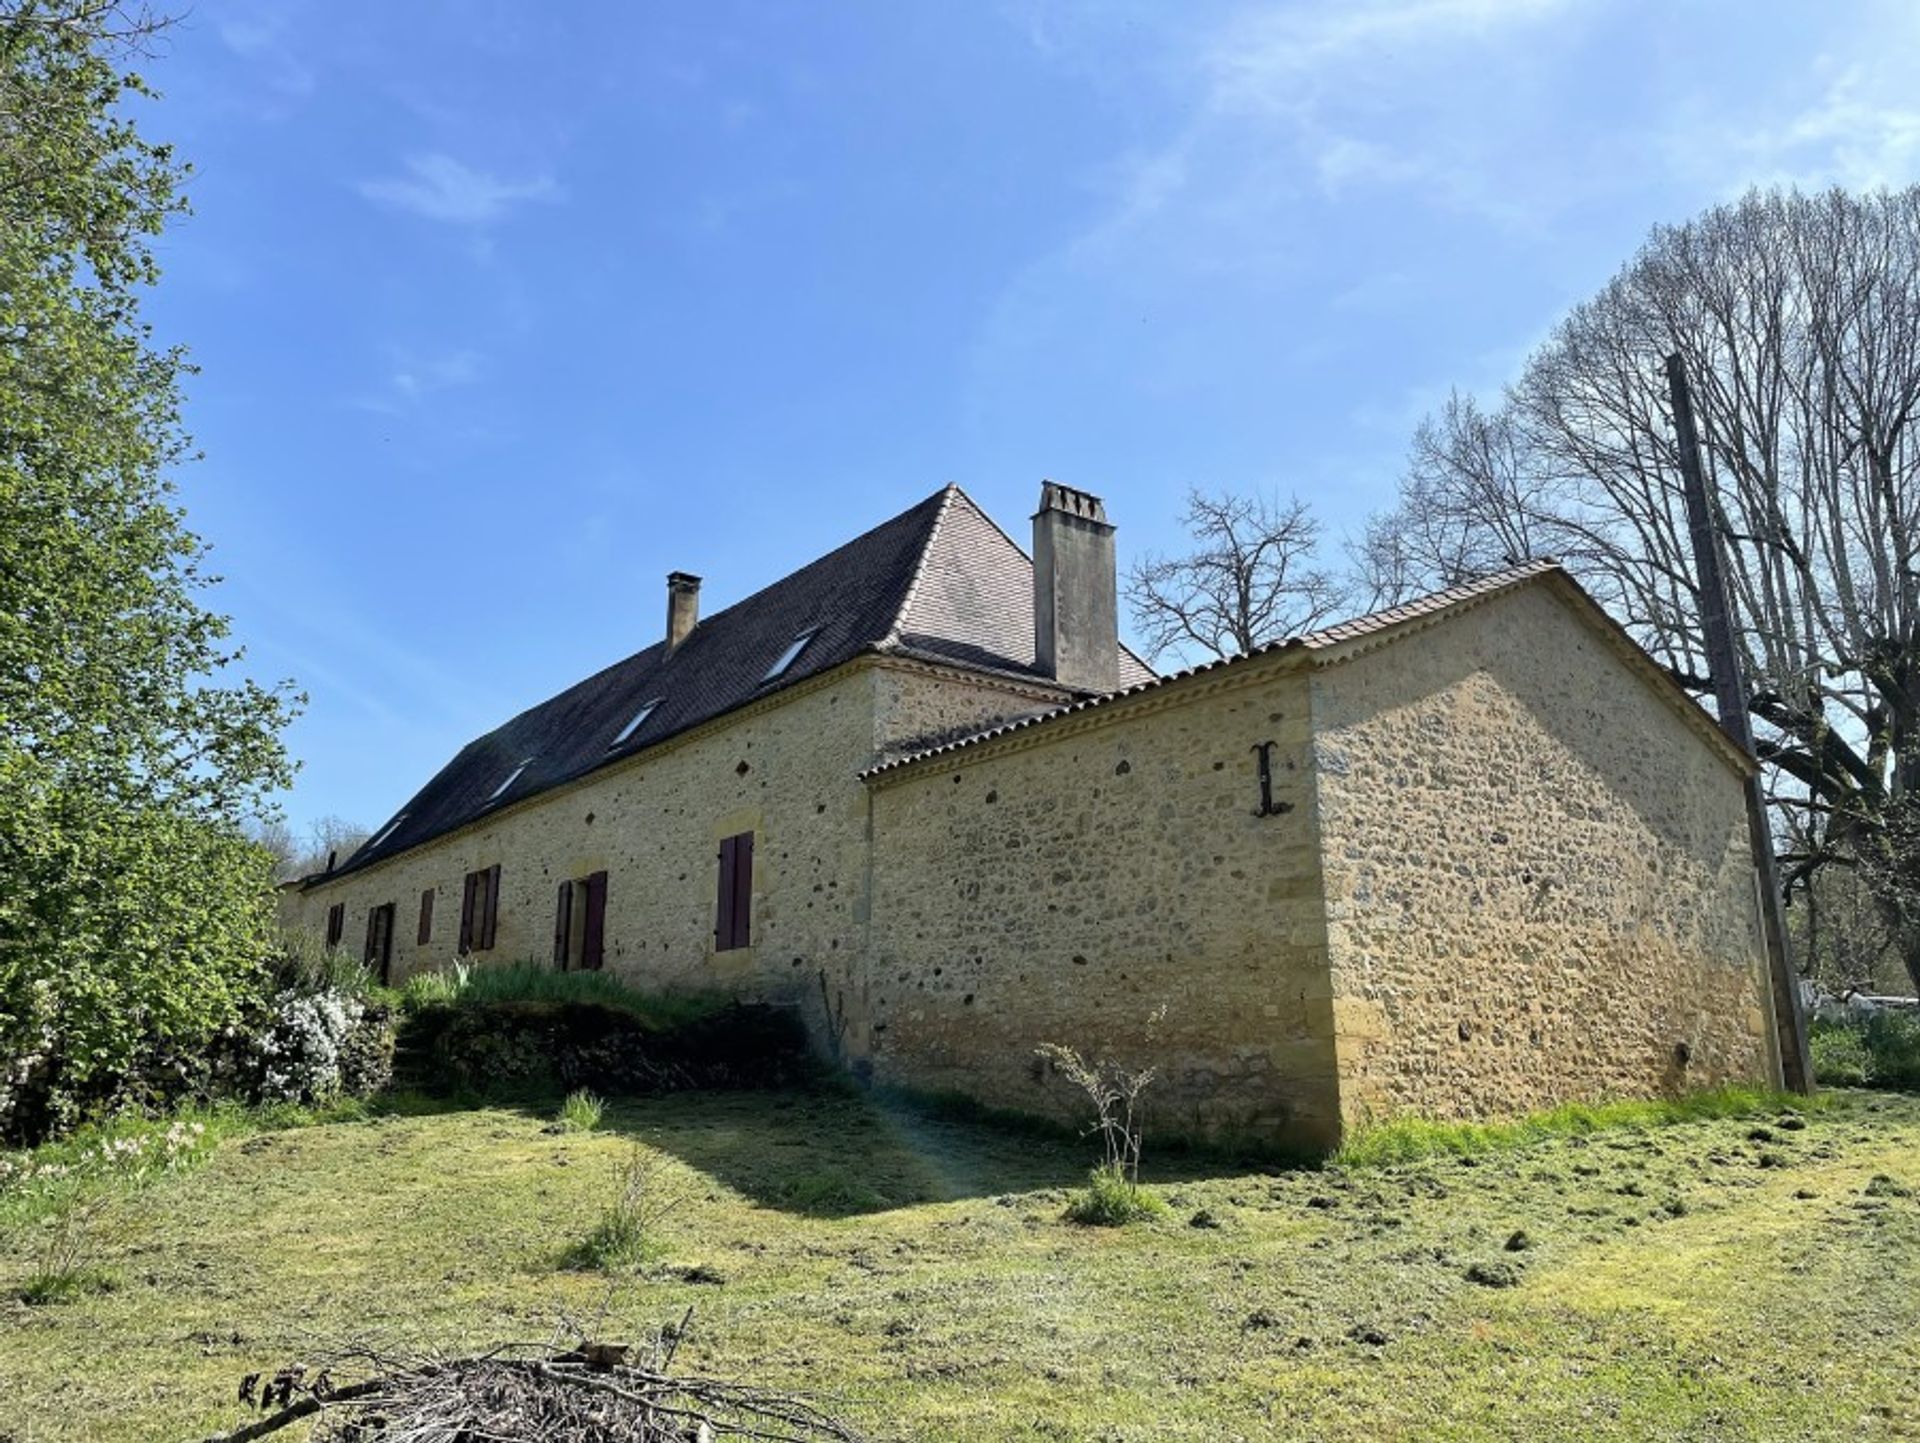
134, 914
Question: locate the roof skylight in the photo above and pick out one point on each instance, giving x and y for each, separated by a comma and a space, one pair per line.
512, 777
387, 831
790, 655
639, 717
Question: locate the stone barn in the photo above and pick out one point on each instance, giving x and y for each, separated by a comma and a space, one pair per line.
1463, 858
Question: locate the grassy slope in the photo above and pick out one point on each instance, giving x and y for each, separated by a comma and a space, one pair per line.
1675, 1287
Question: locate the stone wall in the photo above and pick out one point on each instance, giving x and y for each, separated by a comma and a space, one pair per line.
1067, 882
786, 769
1537, 874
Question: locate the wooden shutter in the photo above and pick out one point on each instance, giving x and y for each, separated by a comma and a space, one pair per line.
372, 949
380, 940
743, 890
562, 924
336, 923
493, 907
466, 913
425, 934
723, 904
594, 928
733, 908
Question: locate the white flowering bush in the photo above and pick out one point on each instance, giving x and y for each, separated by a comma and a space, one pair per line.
298, 1055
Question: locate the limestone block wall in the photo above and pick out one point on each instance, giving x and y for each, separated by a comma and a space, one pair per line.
786, 770
1538, 884
1067, 882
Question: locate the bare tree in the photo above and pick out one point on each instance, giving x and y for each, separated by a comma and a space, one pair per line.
327, 837
1799, 318
1468, 507
1254, 577
276, 837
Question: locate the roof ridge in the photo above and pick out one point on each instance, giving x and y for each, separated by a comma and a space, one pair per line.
892, 637
1433, 604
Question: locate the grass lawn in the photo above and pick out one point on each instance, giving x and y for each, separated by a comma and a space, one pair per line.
1690, 1281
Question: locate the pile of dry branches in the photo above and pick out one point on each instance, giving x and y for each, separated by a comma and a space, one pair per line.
593, 1391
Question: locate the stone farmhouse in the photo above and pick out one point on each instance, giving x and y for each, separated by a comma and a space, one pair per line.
1466, 857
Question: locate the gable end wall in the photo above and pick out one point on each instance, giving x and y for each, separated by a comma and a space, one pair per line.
1538, 882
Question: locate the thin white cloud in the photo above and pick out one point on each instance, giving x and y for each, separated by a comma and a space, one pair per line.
441, 188
1863, 133
260, 38
420, 376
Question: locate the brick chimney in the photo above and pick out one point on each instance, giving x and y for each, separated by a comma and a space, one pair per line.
1076, 610
683, 607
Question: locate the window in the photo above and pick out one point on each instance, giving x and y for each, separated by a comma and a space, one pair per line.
639, 717
580, 924
733, 915
512, 777
790, 655
386, 831
425, 934
479, 910
379, 952
336, 923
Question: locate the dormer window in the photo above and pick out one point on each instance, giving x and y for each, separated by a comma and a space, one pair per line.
788, 657
639, 719
387, 831
512, 777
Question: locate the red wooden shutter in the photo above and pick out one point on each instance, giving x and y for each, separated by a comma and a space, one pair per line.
562, 924
493, 907
466, 913
723, 905
743, 890
426, 918
593, 931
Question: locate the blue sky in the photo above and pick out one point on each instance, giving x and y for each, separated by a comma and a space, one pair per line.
505, 310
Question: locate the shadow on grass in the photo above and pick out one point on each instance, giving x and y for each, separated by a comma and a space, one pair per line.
833, 1153
830, 1150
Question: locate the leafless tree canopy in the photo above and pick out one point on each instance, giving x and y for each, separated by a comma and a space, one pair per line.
1799, 318
1254, 576
326, 836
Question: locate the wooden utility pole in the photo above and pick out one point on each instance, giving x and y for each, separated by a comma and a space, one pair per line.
1730, 699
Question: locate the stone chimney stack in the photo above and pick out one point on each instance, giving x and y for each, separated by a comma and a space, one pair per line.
1076, 609
683, 607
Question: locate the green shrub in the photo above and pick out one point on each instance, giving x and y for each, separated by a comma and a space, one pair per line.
1111, 1199
465, 985
580, 1112
541, 1048
1881, 1051
1840, 1056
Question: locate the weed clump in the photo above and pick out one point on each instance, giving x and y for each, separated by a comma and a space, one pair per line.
1112, 1199
581, 1112
631, 1232
1113, 1196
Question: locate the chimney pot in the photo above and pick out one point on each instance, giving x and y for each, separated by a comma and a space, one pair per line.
683, 607
1076, 607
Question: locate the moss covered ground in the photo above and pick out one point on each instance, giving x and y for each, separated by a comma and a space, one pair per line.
1742, 1277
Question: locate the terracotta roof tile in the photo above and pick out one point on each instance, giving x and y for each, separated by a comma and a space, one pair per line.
1347, 631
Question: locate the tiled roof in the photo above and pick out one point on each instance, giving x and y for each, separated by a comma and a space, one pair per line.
1344, 632
939, 582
